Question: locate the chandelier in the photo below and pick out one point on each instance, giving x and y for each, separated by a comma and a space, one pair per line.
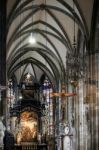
32, 39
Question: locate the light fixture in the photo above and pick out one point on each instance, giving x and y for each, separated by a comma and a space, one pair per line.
32, 39
20, 96
28, 76
20, 71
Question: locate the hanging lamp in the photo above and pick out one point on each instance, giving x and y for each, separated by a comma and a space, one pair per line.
32, 39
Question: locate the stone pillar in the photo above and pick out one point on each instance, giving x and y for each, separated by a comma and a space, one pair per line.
81, 117
2, 53
13, 120
97, 102
71, 141
82, 125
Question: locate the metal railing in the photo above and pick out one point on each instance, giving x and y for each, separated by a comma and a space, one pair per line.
29, 146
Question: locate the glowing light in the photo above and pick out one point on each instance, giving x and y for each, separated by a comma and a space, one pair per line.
28, 76
32, 40
20, 96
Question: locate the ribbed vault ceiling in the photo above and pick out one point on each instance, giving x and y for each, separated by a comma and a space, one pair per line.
52, 24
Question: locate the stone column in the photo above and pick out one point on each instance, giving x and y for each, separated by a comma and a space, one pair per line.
2, 54
13, 120
97, 102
